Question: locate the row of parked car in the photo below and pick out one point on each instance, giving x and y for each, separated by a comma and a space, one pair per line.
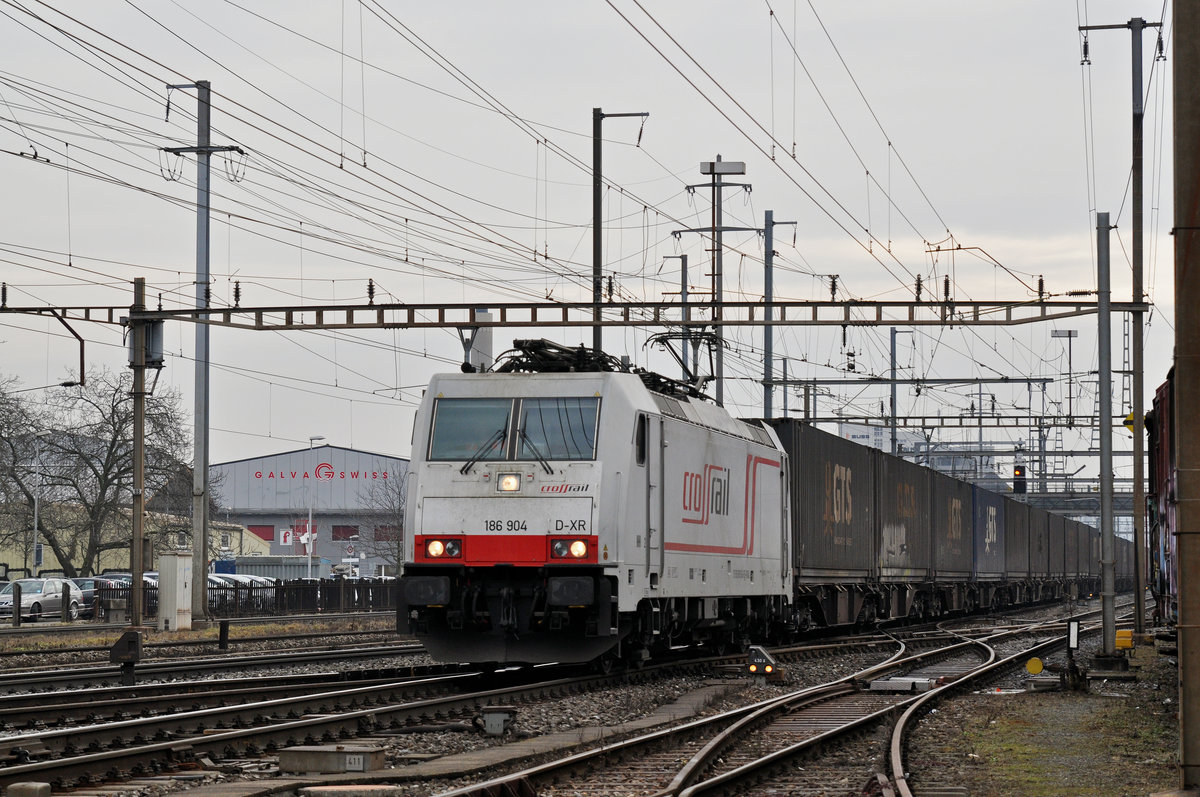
228, 594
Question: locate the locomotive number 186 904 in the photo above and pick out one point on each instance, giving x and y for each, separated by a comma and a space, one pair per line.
504, 525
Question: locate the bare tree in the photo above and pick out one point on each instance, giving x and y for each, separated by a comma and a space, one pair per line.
17, 429
82, 464
385, 502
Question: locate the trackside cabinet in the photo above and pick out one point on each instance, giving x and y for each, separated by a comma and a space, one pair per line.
175, 592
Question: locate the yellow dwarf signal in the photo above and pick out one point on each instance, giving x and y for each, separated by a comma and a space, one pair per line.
760, 662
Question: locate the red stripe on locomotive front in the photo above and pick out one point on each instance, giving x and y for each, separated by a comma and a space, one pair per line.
485, 550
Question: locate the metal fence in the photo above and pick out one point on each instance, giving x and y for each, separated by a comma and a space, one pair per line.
301, 596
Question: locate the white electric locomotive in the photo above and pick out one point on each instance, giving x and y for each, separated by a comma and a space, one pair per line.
559, 509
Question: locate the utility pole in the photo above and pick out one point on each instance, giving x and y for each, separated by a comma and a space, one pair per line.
768, 302
1136, 26
203, 151
138, 363
718, 169
895, 332
598, 116
1070, 335
1185, 67
685, 333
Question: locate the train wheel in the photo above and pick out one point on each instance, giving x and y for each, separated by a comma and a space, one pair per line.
604, 663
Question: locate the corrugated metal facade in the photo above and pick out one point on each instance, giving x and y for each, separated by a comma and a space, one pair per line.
348, 491
331, 478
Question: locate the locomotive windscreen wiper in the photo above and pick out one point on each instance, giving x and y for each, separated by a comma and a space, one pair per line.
496, 437
536, 452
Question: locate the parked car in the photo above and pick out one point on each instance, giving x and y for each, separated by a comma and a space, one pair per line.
42, 597
149, 589
93, 588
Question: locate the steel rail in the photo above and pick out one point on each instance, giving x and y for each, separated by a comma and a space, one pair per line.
41, 678
521, 782
157, 745
898, 775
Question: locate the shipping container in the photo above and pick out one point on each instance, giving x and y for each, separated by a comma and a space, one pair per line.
1016, 539
1094, 557
988, 535
1124, 559
905, 522
1082, 543
1071, 557
1039, 544
952, 527
832, 487
1056, 536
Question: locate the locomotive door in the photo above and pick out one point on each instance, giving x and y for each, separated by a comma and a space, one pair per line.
650, 457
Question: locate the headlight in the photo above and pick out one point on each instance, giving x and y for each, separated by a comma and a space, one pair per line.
508, 482
443, 549
569, 549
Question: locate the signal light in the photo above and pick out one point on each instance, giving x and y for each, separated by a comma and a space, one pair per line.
759, 662
1020, 485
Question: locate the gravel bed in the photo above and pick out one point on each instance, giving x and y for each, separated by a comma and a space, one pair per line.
960, 743
1120, 737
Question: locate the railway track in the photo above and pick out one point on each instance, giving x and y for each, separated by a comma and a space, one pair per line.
254, 718
145, 745
791, 744
90, 677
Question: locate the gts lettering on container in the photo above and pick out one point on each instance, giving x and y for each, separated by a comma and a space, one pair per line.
991, 529
956, 518
838, 509
705, 494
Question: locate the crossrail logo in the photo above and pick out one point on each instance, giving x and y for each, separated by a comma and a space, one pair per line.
705, 494
564, 488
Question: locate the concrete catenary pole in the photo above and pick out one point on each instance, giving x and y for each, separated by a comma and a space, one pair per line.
200, 491
1108, 581
1185, 66
200, 404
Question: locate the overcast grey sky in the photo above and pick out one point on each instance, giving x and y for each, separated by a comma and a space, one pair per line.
893, 127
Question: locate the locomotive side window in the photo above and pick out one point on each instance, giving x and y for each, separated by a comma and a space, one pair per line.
558, 428
642, 437
466, 428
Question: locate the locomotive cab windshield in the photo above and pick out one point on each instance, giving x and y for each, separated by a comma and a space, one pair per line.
482, 429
